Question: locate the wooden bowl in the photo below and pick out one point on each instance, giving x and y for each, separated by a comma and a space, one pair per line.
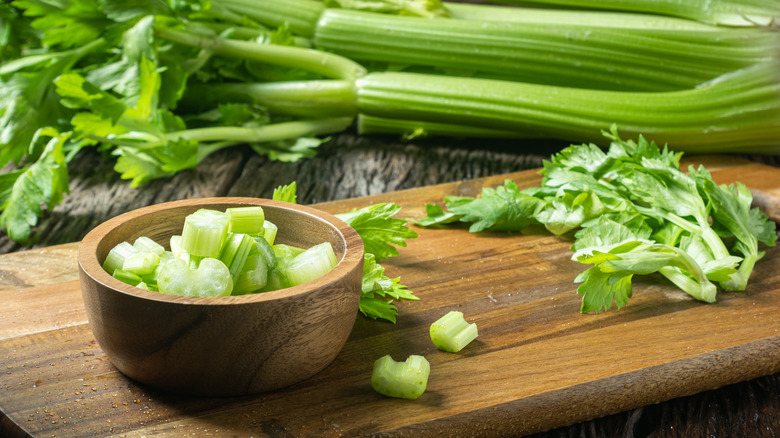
230, 345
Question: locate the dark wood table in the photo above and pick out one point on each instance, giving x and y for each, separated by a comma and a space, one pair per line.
351, 166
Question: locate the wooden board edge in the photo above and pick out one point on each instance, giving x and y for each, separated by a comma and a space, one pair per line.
611, 395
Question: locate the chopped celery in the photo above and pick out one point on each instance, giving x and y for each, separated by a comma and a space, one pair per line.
247, 220
141, 262
401, 379
266, 251
142, 285
311, 264
144, 243
253, 277
269, 231
117, 255
284, 255
451, 332
177, 250
235, 251
276, 280
127, 277
203, 232
212, 278
243, 263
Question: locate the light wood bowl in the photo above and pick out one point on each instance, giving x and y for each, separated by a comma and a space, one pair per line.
222, 346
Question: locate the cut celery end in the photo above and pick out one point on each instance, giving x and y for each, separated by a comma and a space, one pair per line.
311, 264
177, 250
142, 285
203, 232
406, 379
269, 232
116, 256
235, 251
248, 220
141, 263
266, 251
127, 277
211, 278
253, 277
284, 255
146, 244
451, 332
276, 280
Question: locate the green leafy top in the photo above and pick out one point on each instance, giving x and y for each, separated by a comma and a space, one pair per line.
634, 211
379, 229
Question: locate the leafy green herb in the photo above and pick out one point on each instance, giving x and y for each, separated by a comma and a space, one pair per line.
632, 211
25, 191
379, 231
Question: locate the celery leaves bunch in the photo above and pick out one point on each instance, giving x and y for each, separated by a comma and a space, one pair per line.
631, 211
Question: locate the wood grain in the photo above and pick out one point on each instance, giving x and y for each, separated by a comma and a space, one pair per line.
538, 364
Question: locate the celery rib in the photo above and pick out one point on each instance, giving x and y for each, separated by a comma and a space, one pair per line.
546, 52
738, 111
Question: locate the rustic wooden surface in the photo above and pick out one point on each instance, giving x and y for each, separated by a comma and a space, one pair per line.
347, 168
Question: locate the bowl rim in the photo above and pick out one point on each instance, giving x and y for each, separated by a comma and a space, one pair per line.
90, 266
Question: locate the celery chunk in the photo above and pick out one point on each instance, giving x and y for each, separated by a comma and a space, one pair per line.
203, 232
211, 278
144, 243
269, 232
235, 251
401, 379
141, 263
117, 255
276, 280
253, 277
266, 252
247, 220
451, 332
127, 277
311, 264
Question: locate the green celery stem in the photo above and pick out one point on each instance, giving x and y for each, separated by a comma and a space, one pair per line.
738, 112
546, 52
726, 12
314, 98
266, 133
315, 61
300, 15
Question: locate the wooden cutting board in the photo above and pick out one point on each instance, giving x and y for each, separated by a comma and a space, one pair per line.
537, 364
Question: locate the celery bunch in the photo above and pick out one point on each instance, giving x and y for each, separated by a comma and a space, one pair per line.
159, 86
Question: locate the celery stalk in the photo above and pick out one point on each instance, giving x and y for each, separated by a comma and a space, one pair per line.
724, 12
738, 111
546, 52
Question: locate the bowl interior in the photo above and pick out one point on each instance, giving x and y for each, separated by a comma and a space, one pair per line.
298, 225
